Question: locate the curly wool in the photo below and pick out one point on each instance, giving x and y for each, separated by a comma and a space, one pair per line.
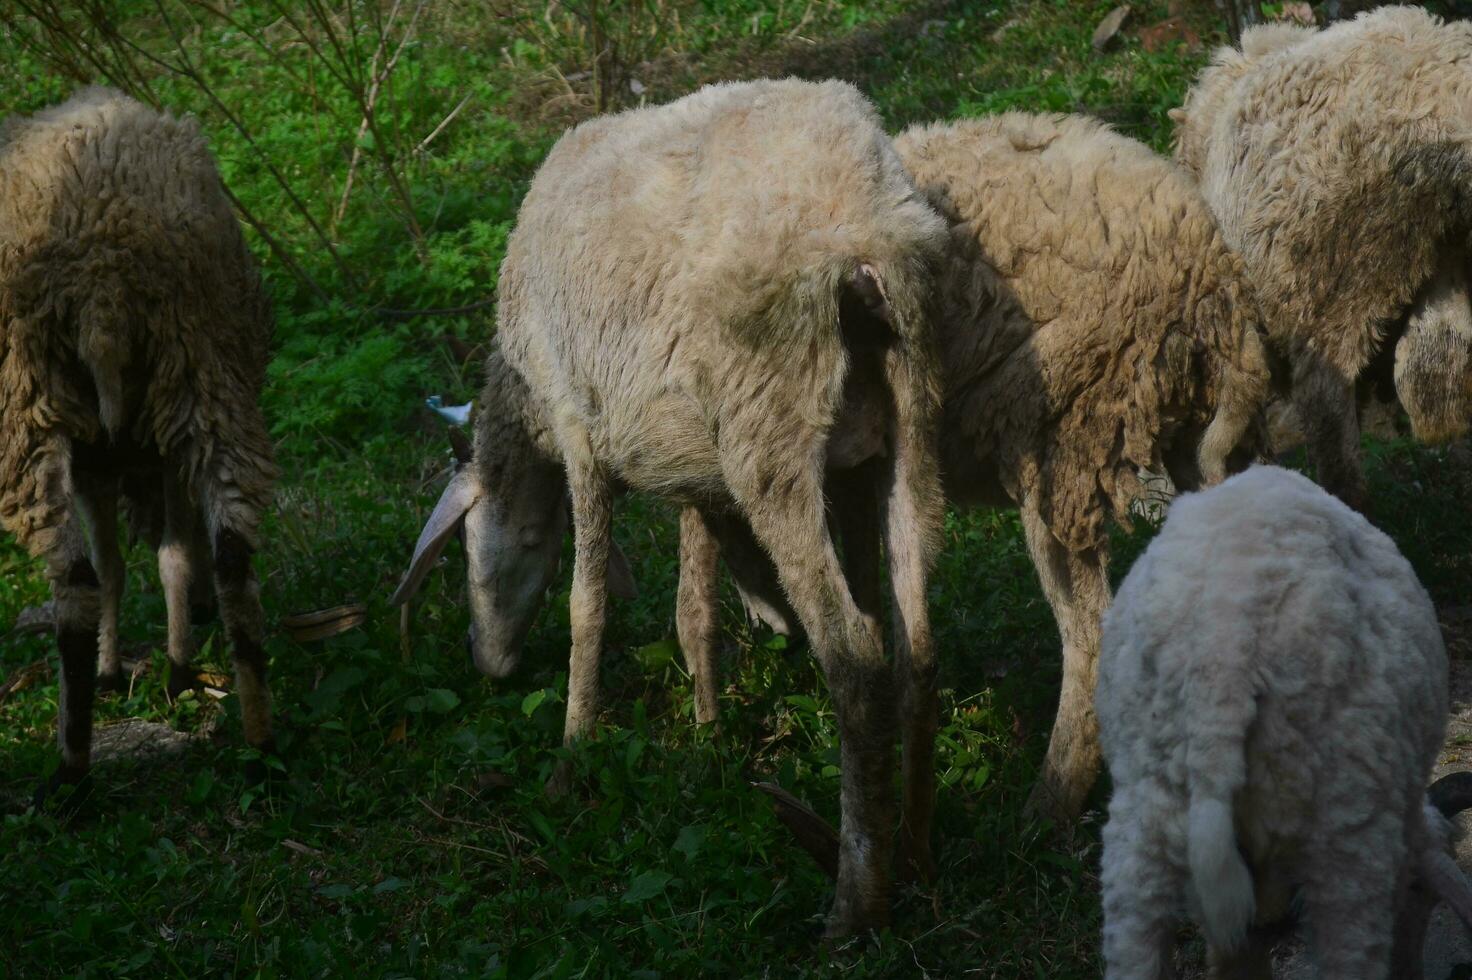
130, 310
707, 244
1092, 314
1271, 653
1337, 163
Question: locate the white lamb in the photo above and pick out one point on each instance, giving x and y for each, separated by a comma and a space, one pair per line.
1272, 696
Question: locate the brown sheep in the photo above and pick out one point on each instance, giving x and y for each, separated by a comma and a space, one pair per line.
133, 347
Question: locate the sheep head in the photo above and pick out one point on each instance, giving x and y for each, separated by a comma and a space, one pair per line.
510, 501
1433, 359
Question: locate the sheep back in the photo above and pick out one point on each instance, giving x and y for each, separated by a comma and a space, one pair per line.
129, 305
1273, 648
670, 262
1337, 164
1087, 279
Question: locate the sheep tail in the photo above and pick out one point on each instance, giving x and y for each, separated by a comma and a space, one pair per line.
911, 373
1216, 769
1220, 876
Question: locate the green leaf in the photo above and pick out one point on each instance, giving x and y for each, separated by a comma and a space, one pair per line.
532, 702
690, 839
646, 886
441, 700
657, 655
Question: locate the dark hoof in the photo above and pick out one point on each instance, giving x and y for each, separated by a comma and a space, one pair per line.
258, 771
559, 784
181, 679
916, 868
64, 792
115, 682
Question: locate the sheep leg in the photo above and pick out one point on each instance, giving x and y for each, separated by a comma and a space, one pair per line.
1077, 589
791, 525
1352, 929
1326, 405
1139, 894
177, 567
76, 591
592, 506
97, 500
856, 499
1253, 960
697, 611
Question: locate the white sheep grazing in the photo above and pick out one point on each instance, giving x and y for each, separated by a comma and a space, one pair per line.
1272, 697
134, 336
1339, 164
691, 294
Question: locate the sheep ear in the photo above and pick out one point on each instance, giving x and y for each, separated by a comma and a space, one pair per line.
1177, 115
454, 503
1445, 879
621, 583
460, 445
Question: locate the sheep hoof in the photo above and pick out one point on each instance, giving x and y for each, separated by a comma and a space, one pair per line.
181, 679
917, 865
1047, 804
559, 784
64, 792
257, 772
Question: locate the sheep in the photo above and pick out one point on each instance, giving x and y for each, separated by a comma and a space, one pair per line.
688, 293
1092, 324
133, 347
1337, 163
1272, 697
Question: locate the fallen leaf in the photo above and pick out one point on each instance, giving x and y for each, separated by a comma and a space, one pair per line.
399, 733
1297, 13
300, 848
491, 779
24, 678
322, 623
1171, 31
1109, 27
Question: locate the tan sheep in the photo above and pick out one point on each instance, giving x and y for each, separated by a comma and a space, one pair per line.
133, 347
1337, 164
692, 293
1092, 324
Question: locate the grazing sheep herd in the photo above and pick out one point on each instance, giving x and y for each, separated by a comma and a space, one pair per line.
754, 303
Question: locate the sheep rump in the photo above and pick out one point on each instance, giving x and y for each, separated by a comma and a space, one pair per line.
1093, 324
1313, 148
1272, 680
133, 346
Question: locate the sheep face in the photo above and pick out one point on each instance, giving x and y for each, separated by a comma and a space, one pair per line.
1433, 359
513, 512
513, 542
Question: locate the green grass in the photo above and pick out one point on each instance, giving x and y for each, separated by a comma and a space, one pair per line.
409, 835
